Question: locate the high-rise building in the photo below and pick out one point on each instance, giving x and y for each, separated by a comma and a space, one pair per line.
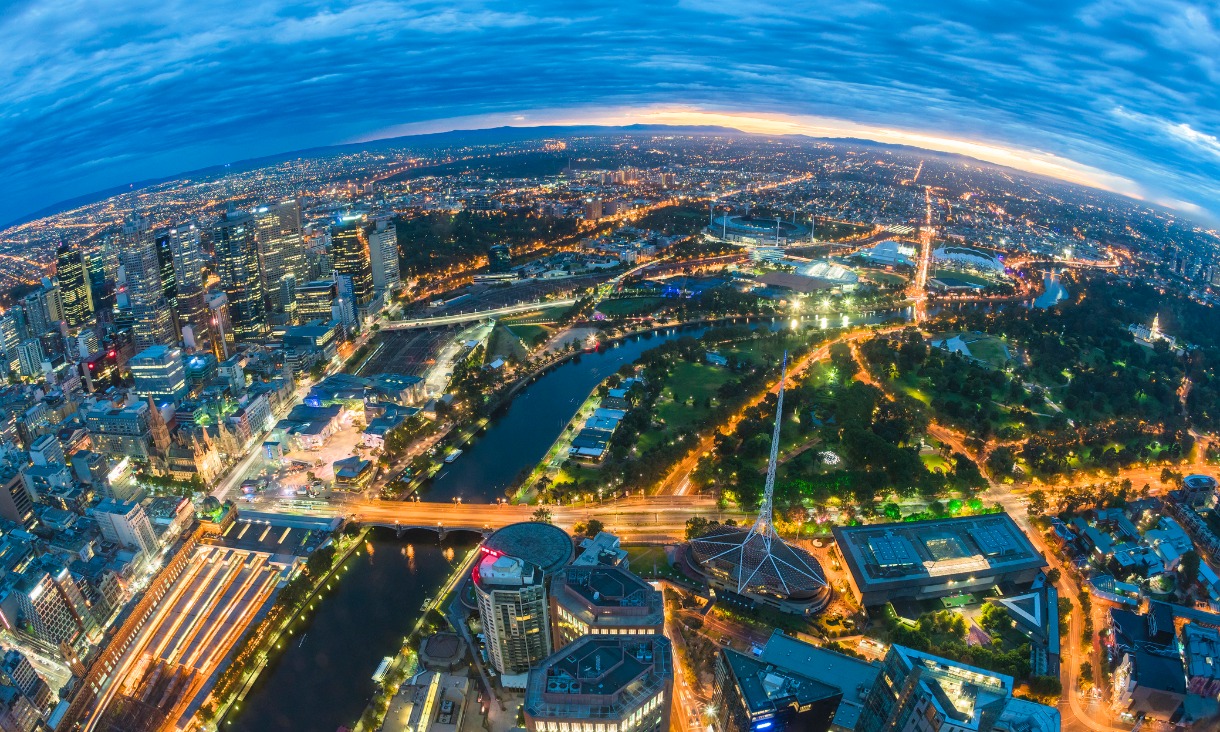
169, 277
236, 244
54, 297
158, 372
192, 308
513, 607
121, 431
919, 692
383, 256
15, 502
220, 326
125, 523
48, 603
37, 315
87, 343
349, 247
316, 300
281, 249
29, 357
612, 682
46, 450
152, 319
10, 340
92, 469
17, 670
499, 258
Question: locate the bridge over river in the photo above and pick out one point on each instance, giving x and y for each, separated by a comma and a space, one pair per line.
651, 518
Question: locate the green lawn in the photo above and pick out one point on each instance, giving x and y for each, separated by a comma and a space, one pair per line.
962, 276
886, 278
684, 398
989, 349
528, 332
504, 344
934, 462
629, 305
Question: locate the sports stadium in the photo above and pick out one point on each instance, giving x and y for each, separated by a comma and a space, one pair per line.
757, 231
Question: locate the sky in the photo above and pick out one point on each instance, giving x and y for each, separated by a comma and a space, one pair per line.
1118, 94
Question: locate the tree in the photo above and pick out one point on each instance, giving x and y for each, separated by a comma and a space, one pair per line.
1037, 502
542, 516
1053, 576
1188, 569
320, 562
594, 527
696, 526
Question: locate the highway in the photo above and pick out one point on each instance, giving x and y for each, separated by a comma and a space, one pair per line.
458, 318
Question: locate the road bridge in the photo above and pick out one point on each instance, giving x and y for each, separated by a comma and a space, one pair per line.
639, 518
474, 315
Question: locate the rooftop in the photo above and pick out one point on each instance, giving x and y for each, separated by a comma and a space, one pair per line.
545, 545
766, 687
928, 552
610, 591
599, 677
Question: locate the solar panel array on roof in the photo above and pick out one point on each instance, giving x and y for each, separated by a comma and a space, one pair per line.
892, 551
992, 539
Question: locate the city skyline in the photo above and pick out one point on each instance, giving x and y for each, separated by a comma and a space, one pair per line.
1117, 96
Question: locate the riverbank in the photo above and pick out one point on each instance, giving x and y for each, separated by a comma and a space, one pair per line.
266, 642
405, 663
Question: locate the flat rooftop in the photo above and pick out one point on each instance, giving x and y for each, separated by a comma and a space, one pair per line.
931, 552
766, 687
599, 677
260, 536
610, 590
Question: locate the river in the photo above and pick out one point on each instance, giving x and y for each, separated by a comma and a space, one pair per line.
1053, 291
324, 678
519, 436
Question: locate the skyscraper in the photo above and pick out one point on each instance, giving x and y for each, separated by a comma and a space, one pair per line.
349, 246
383, 255
188, 274
220, 326
280, 247
512, 599
237, 262
152, 320
169, 280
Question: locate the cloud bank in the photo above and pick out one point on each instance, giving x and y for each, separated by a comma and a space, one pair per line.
1122, 95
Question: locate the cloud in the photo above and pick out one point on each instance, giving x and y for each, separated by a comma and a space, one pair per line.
1122, 94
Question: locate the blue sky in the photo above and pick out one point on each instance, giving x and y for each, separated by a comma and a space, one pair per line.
1123, 93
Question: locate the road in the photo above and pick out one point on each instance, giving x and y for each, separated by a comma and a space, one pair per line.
458, 318
677, 482
636, 518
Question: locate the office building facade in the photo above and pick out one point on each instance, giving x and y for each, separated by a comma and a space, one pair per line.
237, 262
77, 296
152, 318
349, 248
158, 373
